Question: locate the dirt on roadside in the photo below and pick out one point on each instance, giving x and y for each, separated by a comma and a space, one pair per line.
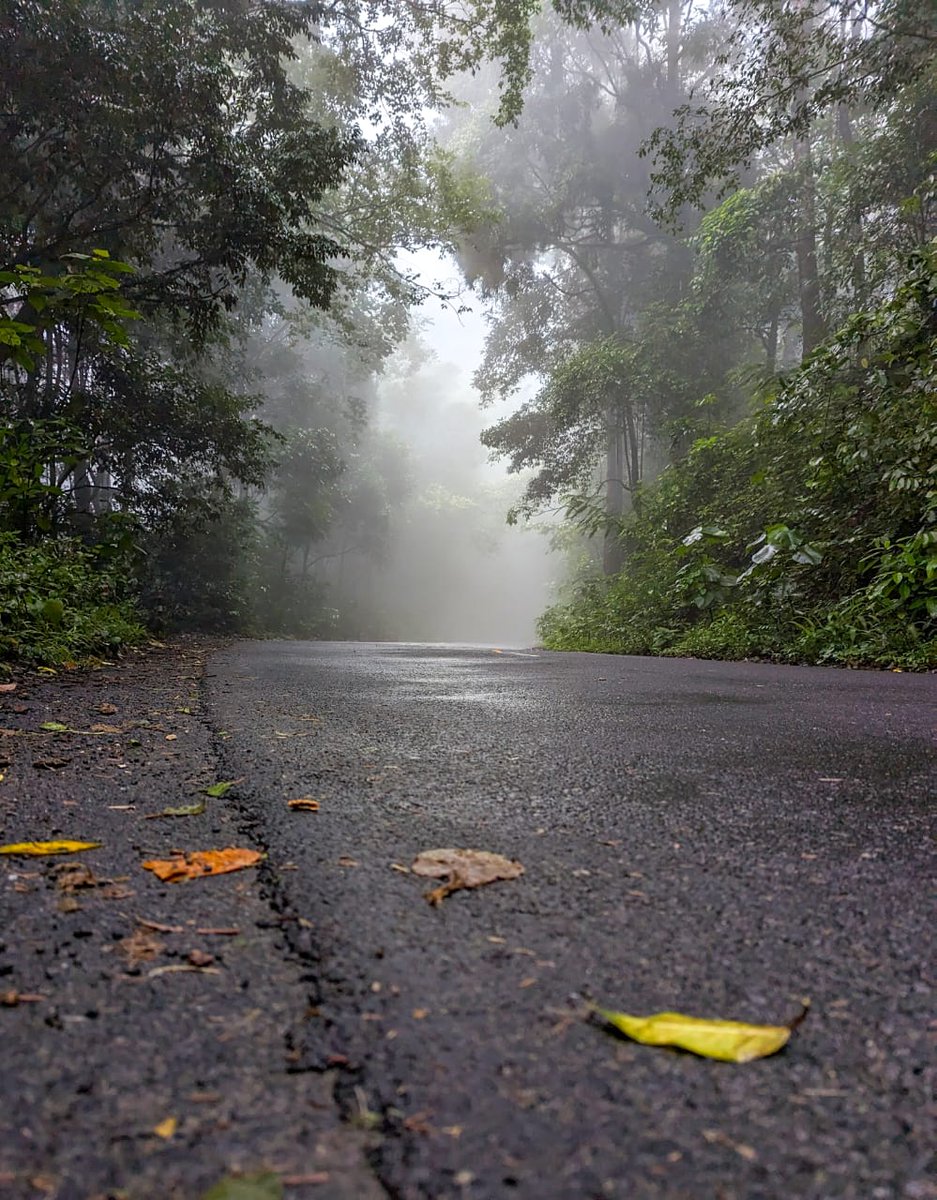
148, 1027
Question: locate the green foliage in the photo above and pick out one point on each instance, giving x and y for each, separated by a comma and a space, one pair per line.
812, 523
86, 291
61, 602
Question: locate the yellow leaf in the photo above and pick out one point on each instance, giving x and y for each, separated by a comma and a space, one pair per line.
165, 1129
202, 862
729, 1041
37, 848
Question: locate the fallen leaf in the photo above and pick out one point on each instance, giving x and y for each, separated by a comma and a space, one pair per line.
246, 1187
141, 946
420, 1014
197, 863
716, 1137
54, 727
70, 877
7, 687
185, 810
107, 710
11, 999
462, 869
170, 737
219, 789
418, 1123
303, 804
104, 729
159, 927
165, 1129
199, 958
41, 848
347, 861
181, 969
728, 1041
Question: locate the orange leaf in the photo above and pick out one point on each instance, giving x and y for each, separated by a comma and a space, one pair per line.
202, 862
304, 804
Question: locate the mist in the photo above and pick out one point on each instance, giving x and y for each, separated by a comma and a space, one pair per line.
597, 325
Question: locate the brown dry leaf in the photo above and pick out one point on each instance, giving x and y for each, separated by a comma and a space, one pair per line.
347, 861
716, 1137
116, 892
201, 958
12, 998
7, 687
68, 904
142, 946
181, 969
196, 863
303, 804
159, 927
170, 737
69, 877
107, 710
463, 869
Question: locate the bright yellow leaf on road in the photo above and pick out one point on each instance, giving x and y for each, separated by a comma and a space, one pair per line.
728, 1041
38, 848
165, 1129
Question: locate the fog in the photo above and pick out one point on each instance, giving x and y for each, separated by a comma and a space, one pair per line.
450, 568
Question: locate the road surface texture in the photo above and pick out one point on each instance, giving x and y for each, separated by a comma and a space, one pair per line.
719, 839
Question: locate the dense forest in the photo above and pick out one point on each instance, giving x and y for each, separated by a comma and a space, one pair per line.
702, 236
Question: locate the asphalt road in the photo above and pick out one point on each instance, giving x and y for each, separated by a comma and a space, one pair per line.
720, 839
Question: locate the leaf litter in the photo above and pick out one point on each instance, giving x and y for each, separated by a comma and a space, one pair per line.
220, 789
38, 849
303, 804
462, 869
184, 810
727, 1041
266, 1186
197, 863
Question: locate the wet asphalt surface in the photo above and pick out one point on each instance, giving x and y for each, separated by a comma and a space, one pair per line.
720, 839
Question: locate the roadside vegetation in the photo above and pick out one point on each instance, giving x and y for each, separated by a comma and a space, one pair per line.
805, 532
713, 294
703, 235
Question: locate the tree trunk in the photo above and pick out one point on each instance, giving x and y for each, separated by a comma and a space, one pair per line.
813, 326
612, 557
